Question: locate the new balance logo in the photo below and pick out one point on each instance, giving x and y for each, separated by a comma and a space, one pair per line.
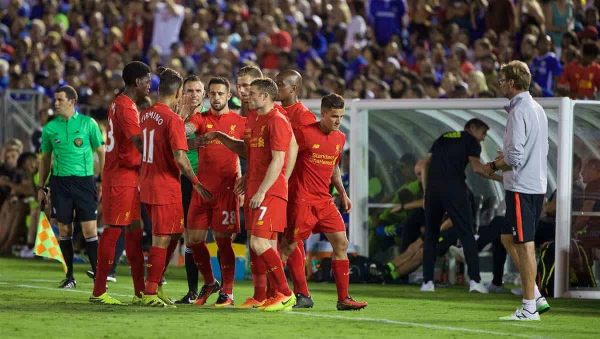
316, 146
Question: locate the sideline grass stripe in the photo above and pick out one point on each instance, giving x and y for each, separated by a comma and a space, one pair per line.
318, 315
411, 324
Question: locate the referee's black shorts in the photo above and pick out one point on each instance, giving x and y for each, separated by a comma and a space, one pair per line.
186, 196
522, 215
74, 198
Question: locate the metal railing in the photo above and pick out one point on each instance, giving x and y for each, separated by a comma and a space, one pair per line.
18, 114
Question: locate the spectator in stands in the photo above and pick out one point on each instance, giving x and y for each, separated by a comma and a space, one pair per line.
545, 68
582, 78
560, 18
168, 18
386, 18
500, 16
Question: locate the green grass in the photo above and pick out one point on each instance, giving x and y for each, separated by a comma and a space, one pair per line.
30, 306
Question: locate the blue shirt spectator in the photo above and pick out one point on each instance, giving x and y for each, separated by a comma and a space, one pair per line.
546, 67
386, 19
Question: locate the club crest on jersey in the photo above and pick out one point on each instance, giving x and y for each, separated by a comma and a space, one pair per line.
316, 146
232, 128
209, 125
78, 142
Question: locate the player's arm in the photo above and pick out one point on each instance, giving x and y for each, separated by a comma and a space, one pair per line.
235, 145
425, 171
184, 165
275, 167
101, 152
336, 180
485, 171
136, 140
292, 155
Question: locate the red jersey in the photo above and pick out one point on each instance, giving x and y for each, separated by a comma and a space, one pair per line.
122, 161
584, 81
217, 165
299, 115
318, 154
163, 133
251, 117
270, 132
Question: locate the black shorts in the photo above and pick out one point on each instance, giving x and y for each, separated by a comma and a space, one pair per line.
186, 196
74, 198
522, 215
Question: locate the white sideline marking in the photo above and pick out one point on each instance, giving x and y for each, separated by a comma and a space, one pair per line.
411, 324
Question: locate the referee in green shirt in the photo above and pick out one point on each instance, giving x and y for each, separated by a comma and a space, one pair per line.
69, 143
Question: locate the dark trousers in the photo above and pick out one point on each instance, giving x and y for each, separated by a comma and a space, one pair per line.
455, 202
491, 234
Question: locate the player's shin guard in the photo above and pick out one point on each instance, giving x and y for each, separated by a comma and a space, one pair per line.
341, 273
202, 259
106, 256
170, 250
66, 247
227, 261
135, 256
275, 271
259, 276
91, 247
156, 267
296, 267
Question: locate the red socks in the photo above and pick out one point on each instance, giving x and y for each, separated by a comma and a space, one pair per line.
341, 272
135, 256
106, 255
202, 259
259, 277
156, 267
275, 271
296, 267
227, 261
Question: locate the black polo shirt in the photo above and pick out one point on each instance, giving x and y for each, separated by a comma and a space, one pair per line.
449, 156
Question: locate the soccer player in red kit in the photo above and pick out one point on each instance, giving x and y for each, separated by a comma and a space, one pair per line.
289, 84
120, 180
311, 208
218, 168
163, 158
266, 185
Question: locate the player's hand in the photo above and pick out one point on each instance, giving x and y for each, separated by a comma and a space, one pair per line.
346, 203
204, 193
99, 189
42, 195
257, 199
206, 137
240, 185
397, 208
185, 107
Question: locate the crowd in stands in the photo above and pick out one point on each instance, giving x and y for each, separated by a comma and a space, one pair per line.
360, 49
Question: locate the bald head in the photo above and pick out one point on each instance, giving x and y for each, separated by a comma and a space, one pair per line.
289, 83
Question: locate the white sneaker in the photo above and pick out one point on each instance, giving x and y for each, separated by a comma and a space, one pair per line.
111, 278
495, 289
517, 291
428, 287
457, 252
541, 305
522, 315
477, 287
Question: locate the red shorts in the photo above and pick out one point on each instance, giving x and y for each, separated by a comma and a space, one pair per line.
219, 214
306, 219
268, 219
166, 219
120, 205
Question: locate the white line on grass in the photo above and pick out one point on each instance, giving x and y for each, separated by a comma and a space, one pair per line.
411, 324
64, 290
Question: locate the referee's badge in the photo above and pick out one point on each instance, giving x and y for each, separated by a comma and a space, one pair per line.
78, 142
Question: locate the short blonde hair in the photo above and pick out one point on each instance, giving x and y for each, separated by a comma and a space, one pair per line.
518, 72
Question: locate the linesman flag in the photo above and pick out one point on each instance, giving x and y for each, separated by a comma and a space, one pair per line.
46, 244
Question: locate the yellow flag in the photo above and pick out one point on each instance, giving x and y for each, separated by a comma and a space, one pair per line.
46, 244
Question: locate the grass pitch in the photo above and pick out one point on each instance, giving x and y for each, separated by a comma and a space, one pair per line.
31, 306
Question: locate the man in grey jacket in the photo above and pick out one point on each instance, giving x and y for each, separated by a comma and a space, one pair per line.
523, 163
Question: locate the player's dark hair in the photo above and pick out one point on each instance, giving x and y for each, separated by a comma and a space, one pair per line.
251, 71
133, 71
266, 85
332, 101
192, 78
170, 81
476, 124
218, 81
69, 91
590, 49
